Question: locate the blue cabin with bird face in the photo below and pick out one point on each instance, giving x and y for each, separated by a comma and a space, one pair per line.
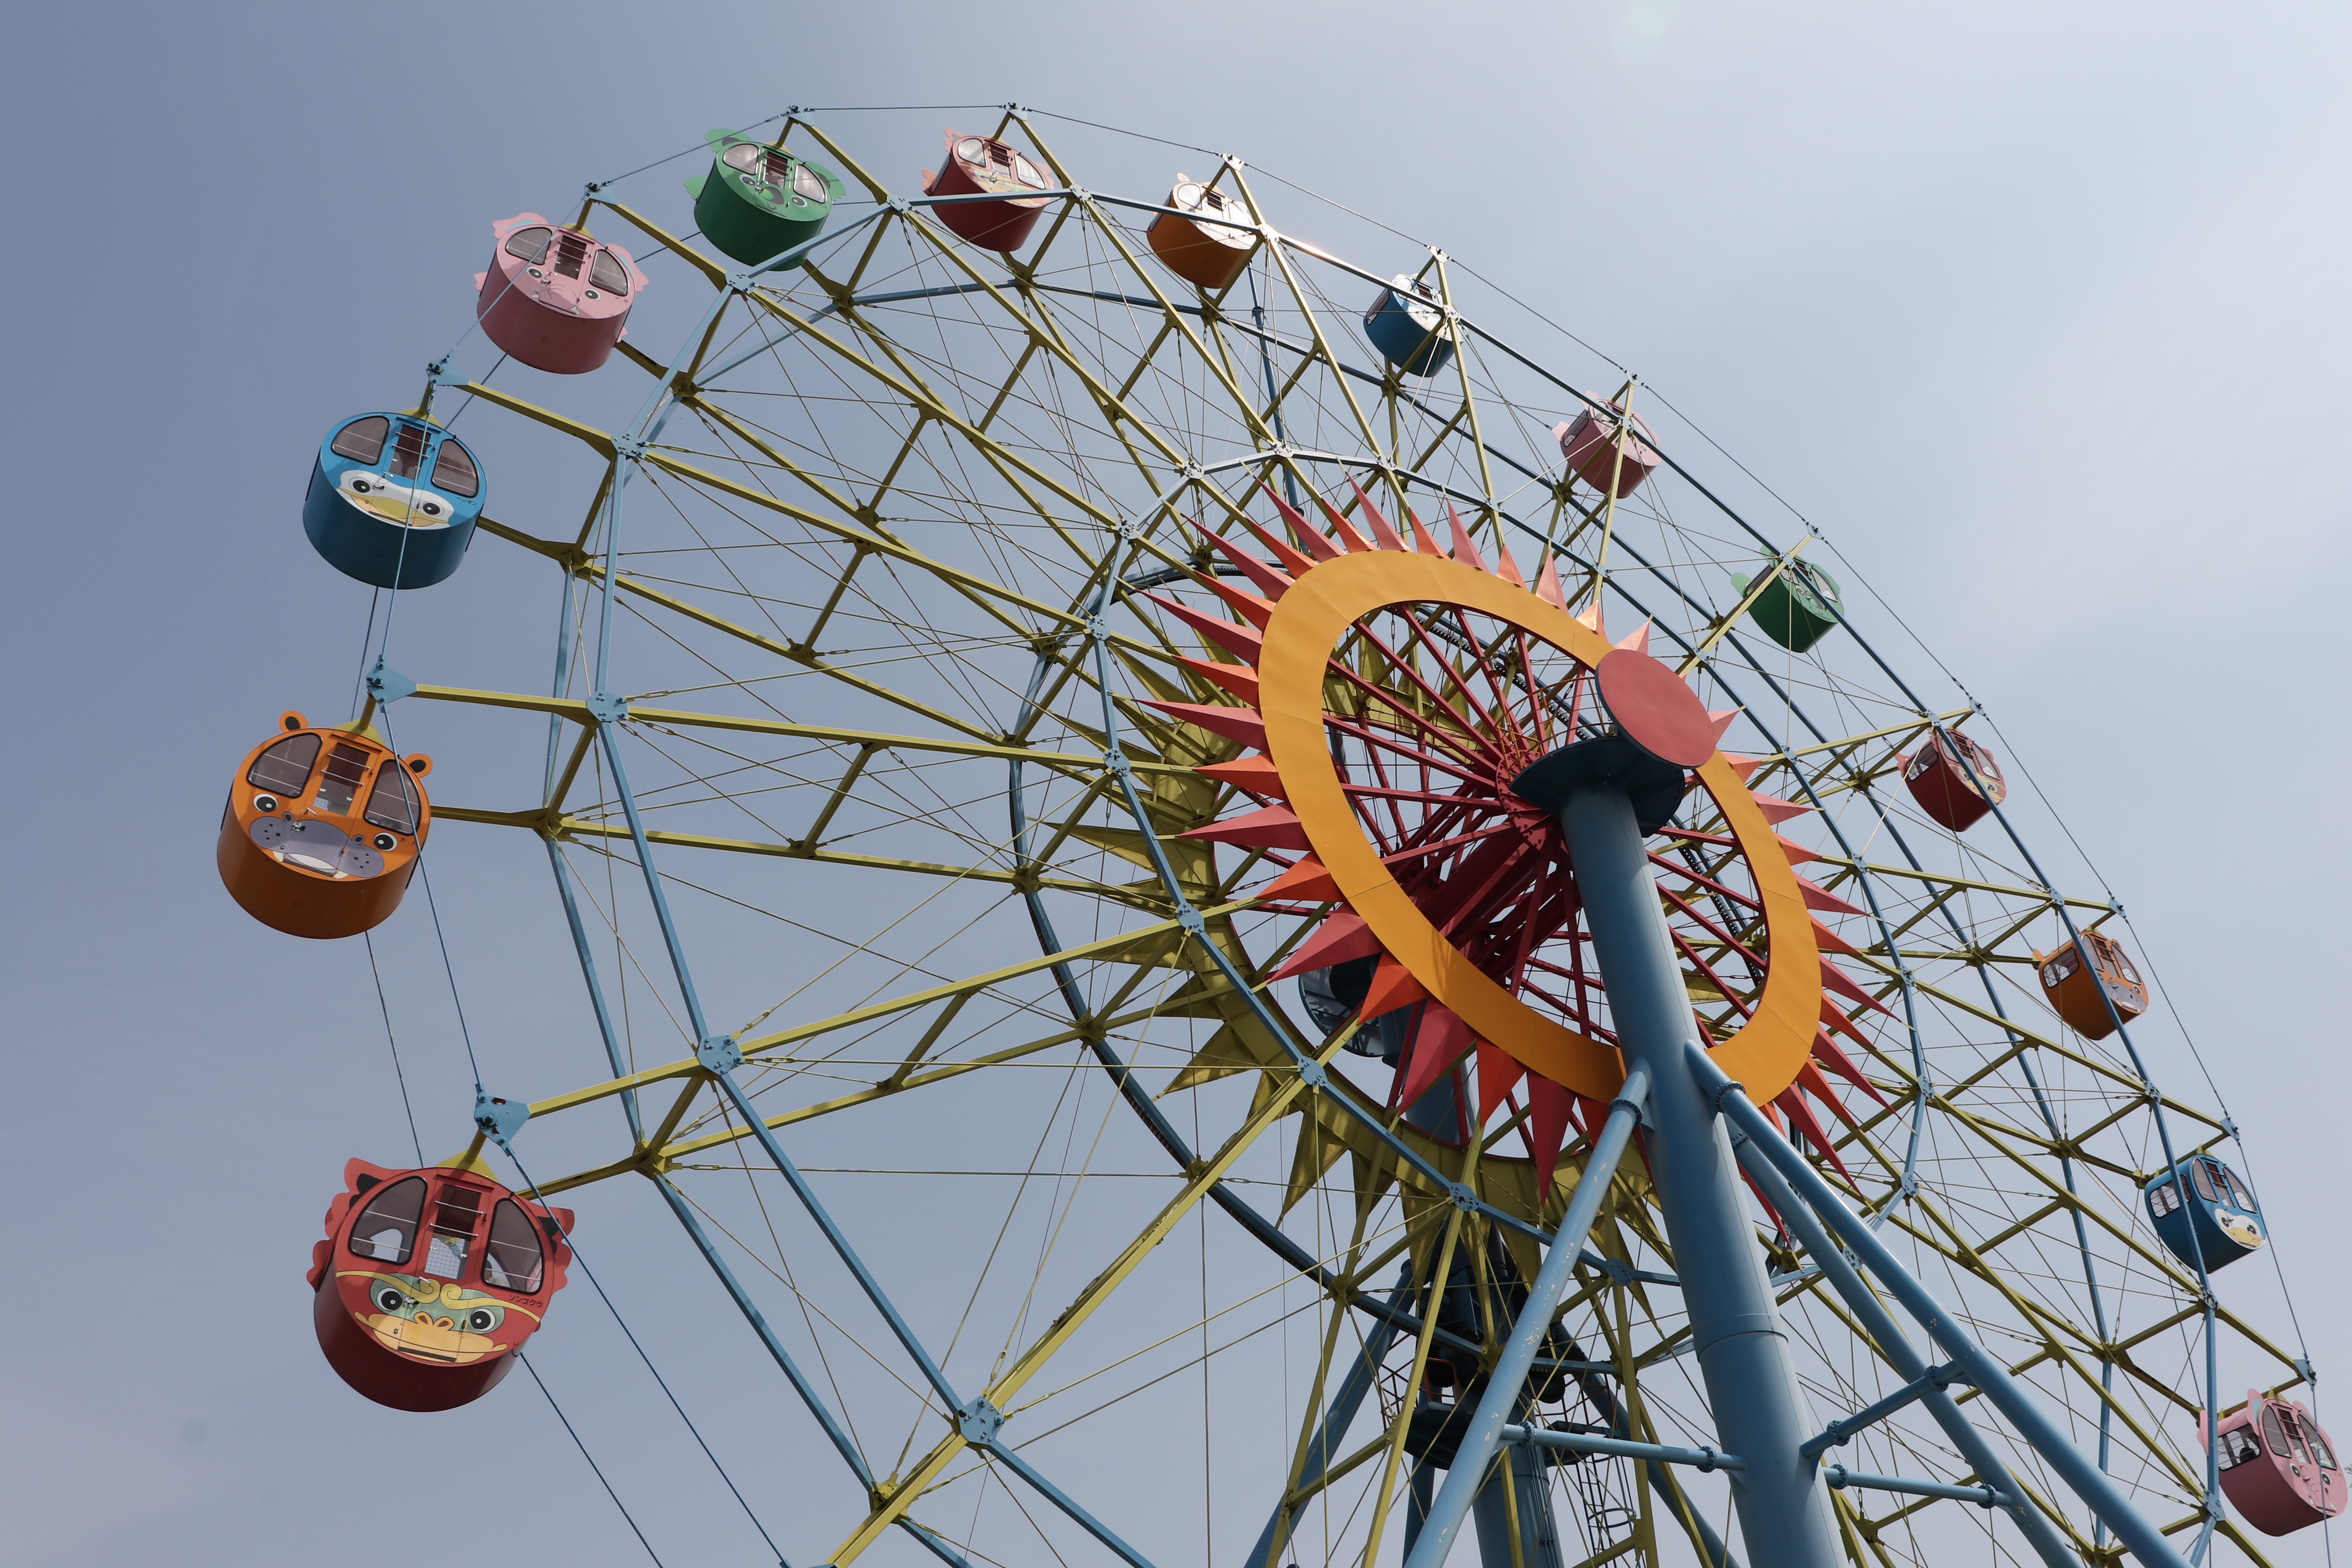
2203, 1195
393, 500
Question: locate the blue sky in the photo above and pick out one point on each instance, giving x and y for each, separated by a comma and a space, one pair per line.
2035, 312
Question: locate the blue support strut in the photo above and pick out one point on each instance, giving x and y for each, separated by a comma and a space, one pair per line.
2145, 1541
1505, 1385
1879, 1324
1736, 1330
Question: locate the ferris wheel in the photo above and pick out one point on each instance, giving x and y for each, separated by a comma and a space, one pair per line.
1215, 893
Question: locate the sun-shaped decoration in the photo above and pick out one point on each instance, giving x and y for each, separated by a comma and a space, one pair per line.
1389, 695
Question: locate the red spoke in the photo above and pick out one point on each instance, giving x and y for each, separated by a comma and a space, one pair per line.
1404, 669
1490, 802
1484, 655
1414, 852
1693, 913
1539, 711
1702, 880
1746, 1009
1389, 742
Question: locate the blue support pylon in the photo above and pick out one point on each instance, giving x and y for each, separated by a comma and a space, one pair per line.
1736, 1330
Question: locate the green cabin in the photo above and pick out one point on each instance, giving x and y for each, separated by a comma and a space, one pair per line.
1797, 606
758, 200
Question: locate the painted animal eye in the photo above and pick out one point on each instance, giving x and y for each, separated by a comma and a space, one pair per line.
480, 1321
389, 1300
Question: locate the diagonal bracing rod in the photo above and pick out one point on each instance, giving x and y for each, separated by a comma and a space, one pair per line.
2100, 1493
1908, 1364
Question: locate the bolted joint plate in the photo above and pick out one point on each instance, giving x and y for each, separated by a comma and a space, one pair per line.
387, 685
499, 1120
608, 708
979, 1422
719, 1054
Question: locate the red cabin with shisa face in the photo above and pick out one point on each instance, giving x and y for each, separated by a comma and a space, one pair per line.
1955, 780
428, 1279
2278, 1469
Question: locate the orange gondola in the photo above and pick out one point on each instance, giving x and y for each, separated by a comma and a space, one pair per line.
429, 1280
322, 830
2082, 989
1206, 255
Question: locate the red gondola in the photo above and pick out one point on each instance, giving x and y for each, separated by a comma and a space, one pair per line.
981, 166
1589, 443
2081, 991
429, 1280
1943, 776
2278, 1469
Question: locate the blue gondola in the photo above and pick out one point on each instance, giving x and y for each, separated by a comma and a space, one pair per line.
393, 501
2227, 1223
1407, 324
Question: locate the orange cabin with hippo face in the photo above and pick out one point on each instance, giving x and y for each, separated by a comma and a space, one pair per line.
427, 1281
322, 830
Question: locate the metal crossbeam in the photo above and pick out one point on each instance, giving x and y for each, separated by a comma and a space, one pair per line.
1589, 1443
1841, 1430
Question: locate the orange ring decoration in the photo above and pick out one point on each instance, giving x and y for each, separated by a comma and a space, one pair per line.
1766, 1053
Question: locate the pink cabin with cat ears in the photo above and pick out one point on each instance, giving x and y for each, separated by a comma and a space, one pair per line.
556, 299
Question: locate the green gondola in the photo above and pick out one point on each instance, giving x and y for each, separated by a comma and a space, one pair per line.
758, 200
1797, 606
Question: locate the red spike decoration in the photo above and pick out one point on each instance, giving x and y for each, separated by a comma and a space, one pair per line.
1297, 563
1348, 533
1387, 537
1442, 1040
1270, 583
1241, 724
1320, 547
1242, 642
1465, 549
1270, 827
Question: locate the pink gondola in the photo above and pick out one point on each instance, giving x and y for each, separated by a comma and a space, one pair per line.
2278, 1469
556, 299
1589, 443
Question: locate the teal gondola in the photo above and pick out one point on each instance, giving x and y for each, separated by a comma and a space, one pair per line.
393, 501
2213, 1203
1407, 323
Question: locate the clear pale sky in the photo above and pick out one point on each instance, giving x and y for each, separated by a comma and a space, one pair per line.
2038, 312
